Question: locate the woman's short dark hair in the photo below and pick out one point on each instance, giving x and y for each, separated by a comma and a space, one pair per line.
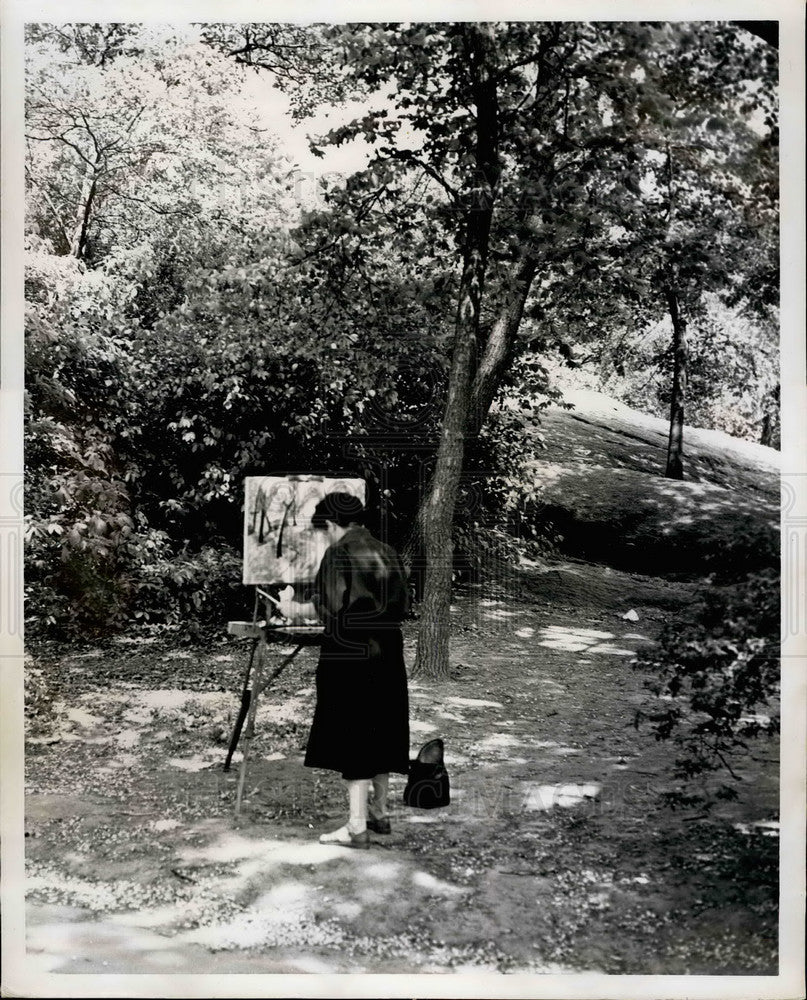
340, 508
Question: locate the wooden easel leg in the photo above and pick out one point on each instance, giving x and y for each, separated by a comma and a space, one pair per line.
246, 697
240, 629
246, 739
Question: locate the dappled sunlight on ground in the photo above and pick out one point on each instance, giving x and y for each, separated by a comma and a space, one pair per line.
608, 498
81, 717
578, 640
434, 885
51, 946
768, 828
197, 762
265, 896
540, 798
415, 726
615, 417
473, 702
240, 895
231, 846
498, 741
279, 917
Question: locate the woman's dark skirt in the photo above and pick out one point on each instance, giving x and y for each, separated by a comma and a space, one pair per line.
361, 719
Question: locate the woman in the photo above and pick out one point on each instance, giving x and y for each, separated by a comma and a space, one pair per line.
361, 719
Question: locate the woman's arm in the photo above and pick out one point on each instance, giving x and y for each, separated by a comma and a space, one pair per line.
330, 591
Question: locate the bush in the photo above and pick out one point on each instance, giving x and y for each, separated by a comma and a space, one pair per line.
76, 584
718, 675
76, 589
498, 521
197, 588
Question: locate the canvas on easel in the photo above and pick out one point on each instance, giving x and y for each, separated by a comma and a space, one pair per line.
281, 548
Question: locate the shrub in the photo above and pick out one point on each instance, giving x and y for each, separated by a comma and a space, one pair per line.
498, 504
196, 588
717, 676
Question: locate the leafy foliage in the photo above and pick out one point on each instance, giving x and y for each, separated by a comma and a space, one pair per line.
718, 675
96, 375
196, 589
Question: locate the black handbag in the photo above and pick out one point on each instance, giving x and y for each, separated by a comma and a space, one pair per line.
428, 785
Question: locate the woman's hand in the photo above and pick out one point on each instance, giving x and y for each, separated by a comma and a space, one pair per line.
295, 611
286, 602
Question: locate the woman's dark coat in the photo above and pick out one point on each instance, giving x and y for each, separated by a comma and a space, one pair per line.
361, 720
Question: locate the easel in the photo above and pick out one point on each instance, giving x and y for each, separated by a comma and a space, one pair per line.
262, 635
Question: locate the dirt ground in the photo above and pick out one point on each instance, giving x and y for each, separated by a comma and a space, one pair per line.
556, 854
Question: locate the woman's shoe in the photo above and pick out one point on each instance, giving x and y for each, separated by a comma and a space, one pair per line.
379, 825
344, 838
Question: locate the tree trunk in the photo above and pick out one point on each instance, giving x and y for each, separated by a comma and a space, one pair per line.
78, 243
675, 448
766, 434
494, 363
770, 418
437, 510
436, 516
498, 351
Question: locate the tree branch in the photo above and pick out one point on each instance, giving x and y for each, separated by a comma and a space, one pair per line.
407, 156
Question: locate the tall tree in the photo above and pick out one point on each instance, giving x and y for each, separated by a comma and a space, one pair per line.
496, 109
533, 137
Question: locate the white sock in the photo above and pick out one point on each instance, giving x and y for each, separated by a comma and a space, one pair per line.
378, 802
357, 792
